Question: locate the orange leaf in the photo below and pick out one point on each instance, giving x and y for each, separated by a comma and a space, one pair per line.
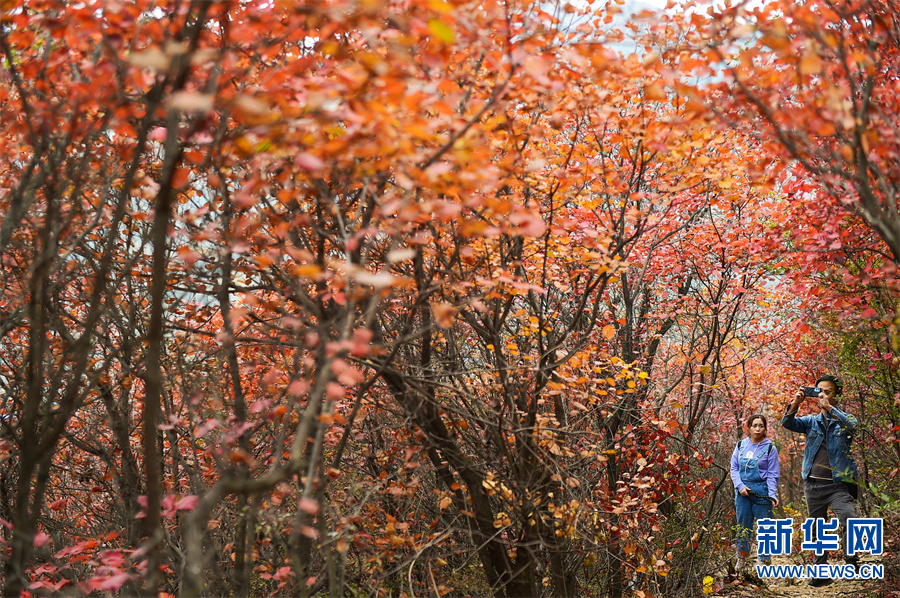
444, 314
810, 64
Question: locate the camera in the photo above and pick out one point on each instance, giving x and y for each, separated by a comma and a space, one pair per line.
812, 391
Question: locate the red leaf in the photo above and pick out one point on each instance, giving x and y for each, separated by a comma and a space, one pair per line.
115, 582
187, 503
308, 162
308, 505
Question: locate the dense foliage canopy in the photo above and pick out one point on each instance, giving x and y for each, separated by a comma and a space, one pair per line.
429, 297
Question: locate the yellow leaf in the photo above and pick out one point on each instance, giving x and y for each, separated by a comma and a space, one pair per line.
441, 31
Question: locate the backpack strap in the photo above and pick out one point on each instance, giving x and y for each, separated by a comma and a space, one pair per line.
742, 443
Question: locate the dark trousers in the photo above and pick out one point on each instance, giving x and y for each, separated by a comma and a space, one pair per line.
821, 494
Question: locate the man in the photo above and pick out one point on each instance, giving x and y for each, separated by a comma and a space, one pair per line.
829, 473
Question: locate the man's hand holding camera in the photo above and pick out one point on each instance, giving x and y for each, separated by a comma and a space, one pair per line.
821, 395
799, 397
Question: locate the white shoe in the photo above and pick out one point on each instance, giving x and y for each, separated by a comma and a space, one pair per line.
739, 564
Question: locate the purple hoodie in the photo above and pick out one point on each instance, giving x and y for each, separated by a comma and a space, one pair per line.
769, 465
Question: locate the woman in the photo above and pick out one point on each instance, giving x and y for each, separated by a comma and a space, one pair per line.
755, 470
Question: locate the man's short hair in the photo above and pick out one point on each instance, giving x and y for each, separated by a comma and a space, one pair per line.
838, 385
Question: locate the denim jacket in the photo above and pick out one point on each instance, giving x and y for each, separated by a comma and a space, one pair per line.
841, 427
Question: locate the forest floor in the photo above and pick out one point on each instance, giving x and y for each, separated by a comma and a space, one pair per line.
748, 584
